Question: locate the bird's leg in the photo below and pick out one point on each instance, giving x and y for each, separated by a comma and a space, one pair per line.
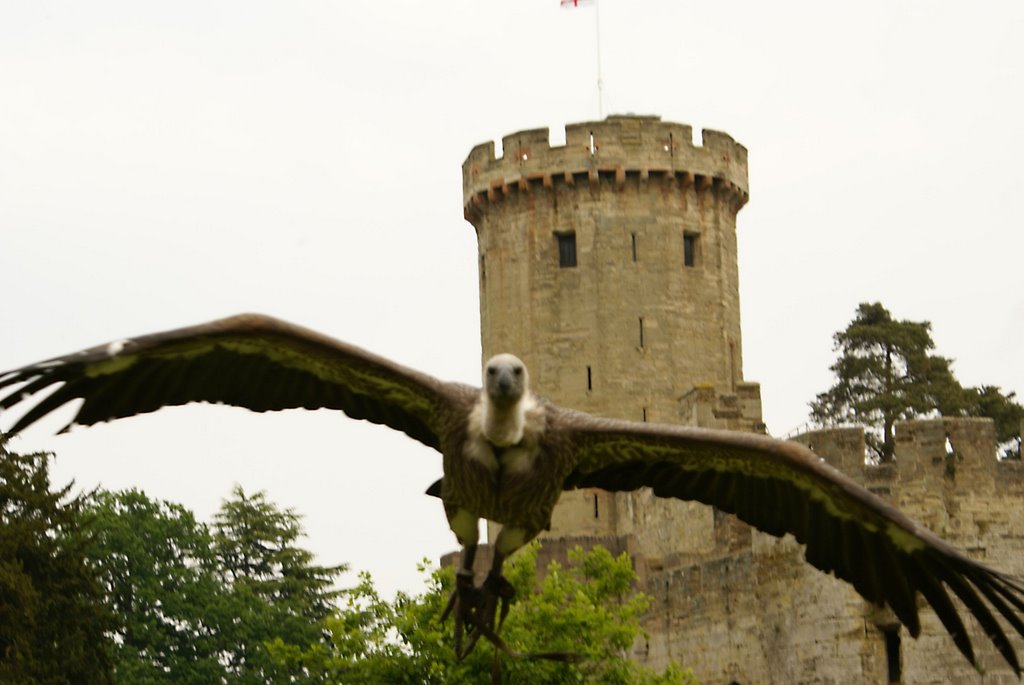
497, 591
475, 609
466, 600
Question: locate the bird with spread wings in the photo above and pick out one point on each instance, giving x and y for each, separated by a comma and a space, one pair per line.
508, 454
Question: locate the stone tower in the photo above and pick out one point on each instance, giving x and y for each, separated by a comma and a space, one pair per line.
609, 266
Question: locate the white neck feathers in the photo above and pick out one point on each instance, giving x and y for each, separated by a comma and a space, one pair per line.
504, 426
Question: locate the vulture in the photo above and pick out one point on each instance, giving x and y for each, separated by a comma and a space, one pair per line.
508, 454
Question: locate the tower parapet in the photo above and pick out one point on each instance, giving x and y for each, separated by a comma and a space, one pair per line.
617, 147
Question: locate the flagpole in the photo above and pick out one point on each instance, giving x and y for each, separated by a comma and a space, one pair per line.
600, 82
597, 41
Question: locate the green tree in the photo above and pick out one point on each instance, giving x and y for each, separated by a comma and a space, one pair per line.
161, 577
886, 372
1006, 412
52, 616
198, 604
278, 595
588, 608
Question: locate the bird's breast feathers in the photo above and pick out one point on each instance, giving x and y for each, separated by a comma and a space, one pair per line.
509, 440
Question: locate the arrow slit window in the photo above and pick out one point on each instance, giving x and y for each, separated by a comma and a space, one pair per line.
566, 249
690, 249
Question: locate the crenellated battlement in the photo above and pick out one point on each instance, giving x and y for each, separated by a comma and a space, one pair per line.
938, 463
616, 148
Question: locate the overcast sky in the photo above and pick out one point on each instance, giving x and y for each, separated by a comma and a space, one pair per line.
166, 163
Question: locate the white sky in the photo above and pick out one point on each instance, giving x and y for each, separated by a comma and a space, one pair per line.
166, 163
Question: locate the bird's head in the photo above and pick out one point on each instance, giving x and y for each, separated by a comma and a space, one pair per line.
505, 380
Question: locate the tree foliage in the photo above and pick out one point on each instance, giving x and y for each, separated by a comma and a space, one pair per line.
589, 608
886, 372
159, 573
278, 595
240, 602
197, 604
1005, 411
52, 617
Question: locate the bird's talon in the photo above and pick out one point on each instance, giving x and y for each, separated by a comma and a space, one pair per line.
476, 609
499, 585
467, 604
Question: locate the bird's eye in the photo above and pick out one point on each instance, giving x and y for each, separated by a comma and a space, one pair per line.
491, 370
518, 371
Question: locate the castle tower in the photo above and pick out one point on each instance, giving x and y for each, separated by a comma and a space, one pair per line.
609, 266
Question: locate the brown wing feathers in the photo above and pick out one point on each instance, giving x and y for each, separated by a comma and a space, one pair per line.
887, 557
775, 508
249, 361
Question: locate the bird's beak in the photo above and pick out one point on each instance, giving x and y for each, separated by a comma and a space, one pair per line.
503, 389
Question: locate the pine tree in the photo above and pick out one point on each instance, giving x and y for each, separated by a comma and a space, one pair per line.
277, 593
52, 616
886, 372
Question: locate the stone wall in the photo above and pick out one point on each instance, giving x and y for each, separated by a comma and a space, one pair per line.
761, 614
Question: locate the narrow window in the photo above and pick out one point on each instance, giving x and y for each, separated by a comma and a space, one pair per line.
643, 413
483, 269
641, 332
566, 249
892, 653
689, 249
590, 384
595, 506
633, 235
593, 146
732, 364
